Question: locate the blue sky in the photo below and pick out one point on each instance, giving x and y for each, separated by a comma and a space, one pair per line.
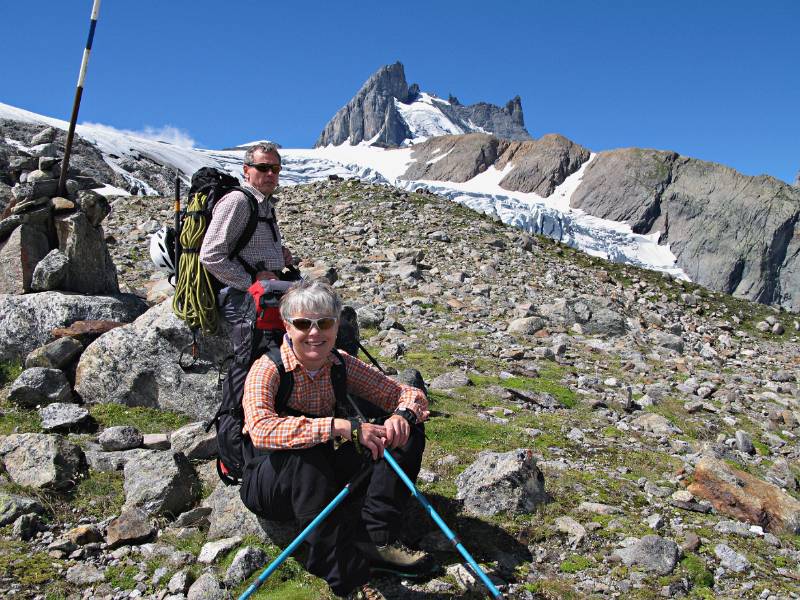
716, 80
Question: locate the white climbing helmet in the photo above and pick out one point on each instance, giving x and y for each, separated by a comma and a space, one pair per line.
162, 248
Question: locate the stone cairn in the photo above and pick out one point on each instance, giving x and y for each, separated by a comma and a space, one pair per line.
50, 242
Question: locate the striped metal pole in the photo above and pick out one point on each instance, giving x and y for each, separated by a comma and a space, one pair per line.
62, 181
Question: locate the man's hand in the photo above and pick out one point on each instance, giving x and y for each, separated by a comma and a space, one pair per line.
397, 431
266, 275
287, 256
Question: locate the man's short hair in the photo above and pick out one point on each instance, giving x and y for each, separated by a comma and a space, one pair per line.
315, 296
265, 148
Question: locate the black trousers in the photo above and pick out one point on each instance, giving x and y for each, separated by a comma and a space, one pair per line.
299, 484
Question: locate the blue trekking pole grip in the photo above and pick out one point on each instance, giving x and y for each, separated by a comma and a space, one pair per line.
273, 566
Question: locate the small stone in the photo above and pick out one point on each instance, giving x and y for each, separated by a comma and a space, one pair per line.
730, 559
744, 442
120, 437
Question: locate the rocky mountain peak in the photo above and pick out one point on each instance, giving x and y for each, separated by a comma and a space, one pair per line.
386, 111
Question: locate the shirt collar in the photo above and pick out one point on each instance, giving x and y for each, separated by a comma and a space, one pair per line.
259, 196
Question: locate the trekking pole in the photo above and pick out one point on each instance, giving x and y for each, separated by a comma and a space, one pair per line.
371, 359
273, 566
476, 569
76, 104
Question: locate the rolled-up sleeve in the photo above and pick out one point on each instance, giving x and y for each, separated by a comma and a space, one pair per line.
367, 382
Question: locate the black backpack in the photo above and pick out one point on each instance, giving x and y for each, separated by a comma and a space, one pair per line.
214, 184
234, 449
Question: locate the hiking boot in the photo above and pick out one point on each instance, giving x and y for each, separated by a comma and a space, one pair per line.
397, 559
365, 592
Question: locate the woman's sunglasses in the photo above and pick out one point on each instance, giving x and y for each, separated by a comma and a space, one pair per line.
303, 324
264, 167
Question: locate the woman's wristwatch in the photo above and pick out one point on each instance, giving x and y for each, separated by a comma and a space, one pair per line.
408, 415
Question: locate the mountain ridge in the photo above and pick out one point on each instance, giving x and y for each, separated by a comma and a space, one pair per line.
381, 113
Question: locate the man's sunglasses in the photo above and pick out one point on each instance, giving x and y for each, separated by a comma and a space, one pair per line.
264, 167
303, 324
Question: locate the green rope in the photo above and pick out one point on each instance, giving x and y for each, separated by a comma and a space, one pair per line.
195, 301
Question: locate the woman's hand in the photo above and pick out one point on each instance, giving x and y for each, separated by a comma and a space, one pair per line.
397, 431
372, 437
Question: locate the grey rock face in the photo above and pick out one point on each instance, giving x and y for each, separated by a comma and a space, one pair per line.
228, 514
120, 437
94, 206
695, 204
27, 322
596, 316
194, 441
246, 562
84, 574
90, 268
541, 165
450, 380
13, 506
58, 416
19, 255
39, 385
162, 483
502, 482
454, 157
372, 113
57, 354
505, 122
133, 526
652, 553
137, 365
526, 325
730, 559
207, 587
364, 116
50, 272
42, 461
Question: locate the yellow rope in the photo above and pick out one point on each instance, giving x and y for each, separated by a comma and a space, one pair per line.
195, 301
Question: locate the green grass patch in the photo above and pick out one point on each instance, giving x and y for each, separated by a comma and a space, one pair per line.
553, 589
17, 420
34, 571
290, 582
575, 563
192, 543
9, 371
696, 571
100, 495
122, 577
146, 420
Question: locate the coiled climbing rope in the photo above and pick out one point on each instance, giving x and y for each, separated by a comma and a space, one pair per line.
195, 301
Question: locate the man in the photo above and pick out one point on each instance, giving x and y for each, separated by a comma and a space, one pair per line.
304, 455
265, 254
262, 258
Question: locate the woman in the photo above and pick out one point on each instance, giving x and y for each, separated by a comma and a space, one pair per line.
305, 454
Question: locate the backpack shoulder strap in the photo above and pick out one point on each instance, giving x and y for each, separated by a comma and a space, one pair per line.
247, 234
339, 378
252, 222
287, 380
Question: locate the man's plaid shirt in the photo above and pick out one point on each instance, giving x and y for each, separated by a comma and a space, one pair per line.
231, 214
314, 396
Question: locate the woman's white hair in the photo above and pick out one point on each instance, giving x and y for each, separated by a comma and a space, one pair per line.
311, 297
